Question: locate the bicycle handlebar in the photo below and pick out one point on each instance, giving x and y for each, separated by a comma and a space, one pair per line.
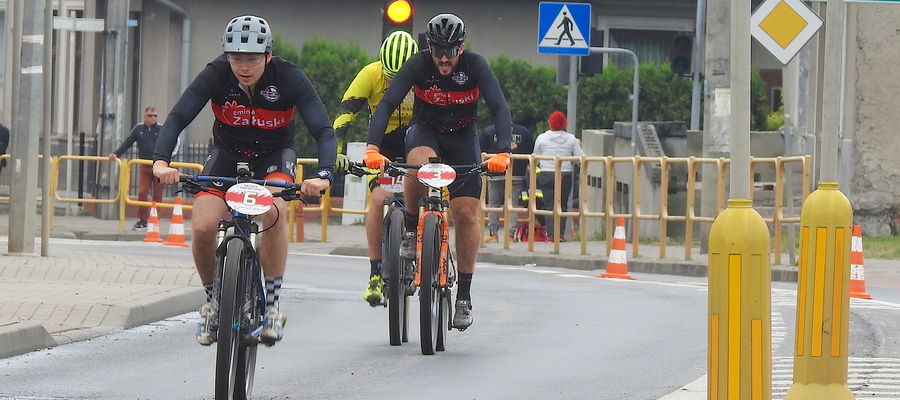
360, 169
288, 193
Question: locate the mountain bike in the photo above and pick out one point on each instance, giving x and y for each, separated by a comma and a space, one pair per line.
433, 270
398, 272
239, 283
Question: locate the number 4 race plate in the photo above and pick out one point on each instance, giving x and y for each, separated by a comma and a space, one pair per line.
249, 198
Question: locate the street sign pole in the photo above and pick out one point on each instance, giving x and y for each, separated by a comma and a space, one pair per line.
822, 332
740, 316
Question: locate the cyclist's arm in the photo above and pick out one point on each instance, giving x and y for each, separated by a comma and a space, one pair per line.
392, 98
315, 117
186, 109
356, 96
493, 96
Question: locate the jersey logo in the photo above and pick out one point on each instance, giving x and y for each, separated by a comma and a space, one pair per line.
234, 114
460, 77
434, 95
271, 93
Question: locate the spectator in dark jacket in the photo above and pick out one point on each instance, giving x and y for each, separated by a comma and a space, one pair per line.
144, 134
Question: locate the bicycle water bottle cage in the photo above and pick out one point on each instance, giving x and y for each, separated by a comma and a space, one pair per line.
243, 171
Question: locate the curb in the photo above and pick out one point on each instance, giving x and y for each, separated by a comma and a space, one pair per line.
667, 267
154, 308
23, 337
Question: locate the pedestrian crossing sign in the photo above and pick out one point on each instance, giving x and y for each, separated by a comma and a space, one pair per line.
564, 28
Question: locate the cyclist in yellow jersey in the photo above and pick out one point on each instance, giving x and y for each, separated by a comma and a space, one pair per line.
366, 89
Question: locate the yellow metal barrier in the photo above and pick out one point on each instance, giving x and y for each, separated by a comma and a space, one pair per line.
689, 218
323, 208
608, 212
125, 184
40, 157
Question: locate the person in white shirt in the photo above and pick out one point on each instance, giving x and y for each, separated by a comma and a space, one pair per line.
556, 142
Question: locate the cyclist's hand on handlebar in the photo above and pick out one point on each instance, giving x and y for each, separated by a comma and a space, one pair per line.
374, 159
314, 187
498, 163
166, 174
341, 164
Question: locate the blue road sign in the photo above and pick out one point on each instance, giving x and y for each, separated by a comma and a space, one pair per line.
564, 28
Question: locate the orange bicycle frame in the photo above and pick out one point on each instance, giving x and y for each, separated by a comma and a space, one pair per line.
444, 247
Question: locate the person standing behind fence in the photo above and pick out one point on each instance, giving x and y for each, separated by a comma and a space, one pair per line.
145, 135
556, 142
522, 143
4, 143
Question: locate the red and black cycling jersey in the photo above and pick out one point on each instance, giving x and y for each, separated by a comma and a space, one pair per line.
256, 125
446, 104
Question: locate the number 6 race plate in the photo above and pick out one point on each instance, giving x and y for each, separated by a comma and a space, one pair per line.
249, 198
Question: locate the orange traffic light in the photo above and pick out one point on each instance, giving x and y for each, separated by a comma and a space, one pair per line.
399, 11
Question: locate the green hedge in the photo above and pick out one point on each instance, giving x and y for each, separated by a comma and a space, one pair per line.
532, 92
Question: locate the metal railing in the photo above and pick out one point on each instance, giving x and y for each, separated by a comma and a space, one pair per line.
608, 211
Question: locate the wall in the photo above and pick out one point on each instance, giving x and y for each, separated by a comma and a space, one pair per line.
875, 191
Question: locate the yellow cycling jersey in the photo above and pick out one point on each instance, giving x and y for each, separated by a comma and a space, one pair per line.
367, 89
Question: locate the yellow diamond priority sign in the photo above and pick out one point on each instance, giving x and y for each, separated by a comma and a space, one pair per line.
783, 27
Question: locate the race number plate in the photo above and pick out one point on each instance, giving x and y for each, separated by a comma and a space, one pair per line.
249, 198
393, 184
436, 175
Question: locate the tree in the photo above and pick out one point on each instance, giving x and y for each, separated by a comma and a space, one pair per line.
330, 67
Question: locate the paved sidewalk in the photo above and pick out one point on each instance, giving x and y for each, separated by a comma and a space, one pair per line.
46, 301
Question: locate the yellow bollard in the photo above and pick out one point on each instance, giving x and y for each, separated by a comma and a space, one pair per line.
740, 316
823, 303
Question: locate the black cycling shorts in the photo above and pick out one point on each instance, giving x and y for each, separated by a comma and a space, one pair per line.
460, 147
277, 164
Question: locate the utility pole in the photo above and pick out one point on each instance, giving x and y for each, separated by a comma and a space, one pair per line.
113, 110
28, 77
717, 101
46, 203
698, 56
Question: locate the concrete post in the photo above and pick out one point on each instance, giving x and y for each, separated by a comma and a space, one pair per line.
113, 112
46, 200
26, 128
717, 103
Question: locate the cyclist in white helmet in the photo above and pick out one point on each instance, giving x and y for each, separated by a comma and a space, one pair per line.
366, 90
254, 96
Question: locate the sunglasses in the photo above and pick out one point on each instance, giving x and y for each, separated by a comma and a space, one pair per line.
441, 51
151, 115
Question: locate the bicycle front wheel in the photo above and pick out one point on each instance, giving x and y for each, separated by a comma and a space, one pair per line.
393, 269
229, 346
252, 313
429, 290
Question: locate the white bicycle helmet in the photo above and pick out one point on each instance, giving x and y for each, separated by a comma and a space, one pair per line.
247, 34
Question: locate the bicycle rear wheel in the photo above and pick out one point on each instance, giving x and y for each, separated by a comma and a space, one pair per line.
229, 346
429, 292
444, 310
393, 269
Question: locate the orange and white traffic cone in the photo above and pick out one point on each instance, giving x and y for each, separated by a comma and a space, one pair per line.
176, 230
617, 264
153, 226
857, 277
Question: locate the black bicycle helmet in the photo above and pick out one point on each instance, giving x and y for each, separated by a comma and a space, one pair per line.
445, 30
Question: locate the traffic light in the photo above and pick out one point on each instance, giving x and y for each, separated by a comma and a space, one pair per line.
398, 15
680, 54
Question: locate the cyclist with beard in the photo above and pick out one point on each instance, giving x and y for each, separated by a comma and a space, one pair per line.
447, 81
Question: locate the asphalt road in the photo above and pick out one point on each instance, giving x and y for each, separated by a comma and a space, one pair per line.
539, 333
